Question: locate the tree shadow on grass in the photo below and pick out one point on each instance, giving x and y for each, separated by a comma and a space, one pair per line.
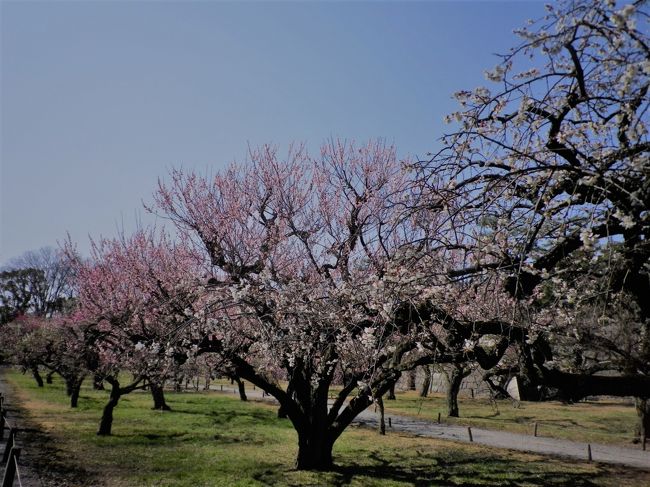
41, 454
227, 416
454, 468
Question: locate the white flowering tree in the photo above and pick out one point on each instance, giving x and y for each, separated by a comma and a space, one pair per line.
318, 274
553, 157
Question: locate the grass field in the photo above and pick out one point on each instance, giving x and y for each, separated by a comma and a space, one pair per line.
211, 439
590, 422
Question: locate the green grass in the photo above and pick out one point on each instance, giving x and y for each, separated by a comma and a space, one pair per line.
212, 439
590, 422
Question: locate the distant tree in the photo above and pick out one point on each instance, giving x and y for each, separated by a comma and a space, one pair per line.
39, 282
135, 291
16, 292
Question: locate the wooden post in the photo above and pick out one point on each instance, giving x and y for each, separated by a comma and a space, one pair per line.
390, 423
589, 457
2, 424
221, 387
535, 430
10, 469
643, 441
469, 432
438, 417
11, 441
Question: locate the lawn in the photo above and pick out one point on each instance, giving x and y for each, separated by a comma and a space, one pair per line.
212, 439
606, 421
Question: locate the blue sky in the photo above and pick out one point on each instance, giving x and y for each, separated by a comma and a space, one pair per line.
100, 99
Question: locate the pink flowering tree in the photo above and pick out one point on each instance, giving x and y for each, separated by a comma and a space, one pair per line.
315, 273
58, 344
552, 161
136, 291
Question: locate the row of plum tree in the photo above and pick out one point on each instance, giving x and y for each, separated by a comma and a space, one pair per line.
526, 235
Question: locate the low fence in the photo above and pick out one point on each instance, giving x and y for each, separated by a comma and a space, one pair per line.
11, 450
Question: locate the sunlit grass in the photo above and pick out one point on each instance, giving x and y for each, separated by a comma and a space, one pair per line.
212, 439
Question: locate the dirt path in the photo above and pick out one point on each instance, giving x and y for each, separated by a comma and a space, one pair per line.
41, 464
500, 439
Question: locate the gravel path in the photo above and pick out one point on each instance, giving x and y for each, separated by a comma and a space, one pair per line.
501, 439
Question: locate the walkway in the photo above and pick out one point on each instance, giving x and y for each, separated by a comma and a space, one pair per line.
28, 477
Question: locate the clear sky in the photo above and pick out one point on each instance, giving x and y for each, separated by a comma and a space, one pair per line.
100, 98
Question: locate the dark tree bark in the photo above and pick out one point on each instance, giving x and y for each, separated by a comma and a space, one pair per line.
74, 394
382, 422
106, 423
456, 376
48, 377
426, 383
282, 412
37, 376
642, 429
391, 393
73, 387
241, 387
314, 451
411, 379
158, 396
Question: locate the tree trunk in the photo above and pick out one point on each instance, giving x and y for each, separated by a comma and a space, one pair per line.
314, 451
106, 422
282, 414
411, 380
642, 429
158, 396
37, 376
455, 380
242, 388
391, 393
426, 383
74, 393
382, 423
48, 377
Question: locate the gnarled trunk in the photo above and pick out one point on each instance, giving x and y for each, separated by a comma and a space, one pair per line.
314, 450
391, 393
37, 376
106, 423
74, 396
72, 389
458, 373
48, 377
158, 396
242, 388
